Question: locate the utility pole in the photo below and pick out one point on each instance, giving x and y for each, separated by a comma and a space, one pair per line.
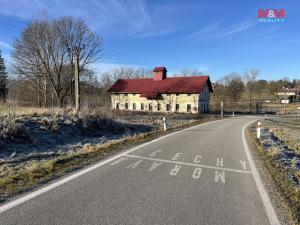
76, 52
76, 76
222, 107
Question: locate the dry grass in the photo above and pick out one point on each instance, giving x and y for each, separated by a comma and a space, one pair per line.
289, 191
275, 152
285, 135
17, 179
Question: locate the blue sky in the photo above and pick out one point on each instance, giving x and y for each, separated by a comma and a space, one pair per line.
216, 37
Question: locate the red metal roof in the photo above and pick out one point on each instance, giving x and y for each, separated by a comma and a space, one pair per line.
174, 85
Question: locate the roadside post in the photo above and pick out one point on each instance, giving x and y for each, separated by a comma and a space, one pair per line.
258, 128
222, 108
164, 124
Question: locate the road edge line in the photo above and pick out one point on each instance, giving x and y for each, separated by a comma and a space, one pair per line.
273, 219
71, 177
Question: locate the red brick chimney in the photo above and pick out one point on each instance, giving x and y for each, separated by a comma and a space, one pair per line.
159, 73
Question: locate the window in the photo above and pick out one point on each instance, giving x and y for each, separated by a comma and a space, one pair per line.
133, 94
117, 106
168, 107
188, 107
177, 94
134, 106
177, 107
142, 106
158, 107
150, 107
168, 94
126, 105
126, 94
188, 94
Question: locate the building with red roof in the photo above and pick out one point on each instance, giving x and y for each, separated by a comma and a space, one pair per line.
162, 93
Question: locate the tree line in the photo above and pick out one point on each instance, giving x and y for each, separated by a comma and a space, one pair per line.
3, 79
236, 86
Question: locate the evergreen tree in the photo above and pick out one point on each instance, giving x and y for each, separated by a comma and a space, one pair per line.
3, 79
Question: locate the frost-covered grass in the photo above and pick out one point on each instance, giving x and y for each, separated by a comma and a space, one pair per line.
279, 150
17, 178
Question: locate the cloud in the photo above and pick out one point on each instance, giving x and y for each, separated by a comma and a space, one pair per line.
209, 29
5, 45
244, 25
217, 30
116, 17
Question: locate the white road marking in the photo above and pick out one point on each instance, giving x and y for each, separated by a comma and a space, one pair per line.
243, 164
153, 154
118, 160
154, 165
71, 177
175, 170
220, 175
197, 173
220, 162
187, 164
135, 164
197, 159
176, 156
273, 219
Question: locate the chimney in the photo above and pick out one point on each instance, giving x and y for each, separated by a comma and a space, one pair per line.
159, 73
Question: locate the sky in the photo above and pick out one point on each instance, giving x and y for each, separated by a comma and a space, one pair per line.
214, 36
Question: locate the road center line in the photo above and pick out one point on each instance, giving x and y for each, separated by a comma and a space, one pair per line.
187, 164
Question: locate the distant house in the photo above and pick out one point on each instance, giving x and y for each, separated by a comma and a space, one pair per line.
162, 93
289, 95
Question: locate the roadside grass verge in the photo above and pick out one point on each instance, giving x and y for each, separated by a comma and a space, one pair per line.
284, 135
287, 190
17, 179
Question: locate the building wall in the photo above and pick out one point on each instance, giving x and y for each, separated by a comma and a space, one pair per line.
196, 101
204, 100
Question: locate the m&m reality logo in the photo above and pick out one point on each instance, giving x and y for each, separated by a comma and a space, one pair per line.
271, 15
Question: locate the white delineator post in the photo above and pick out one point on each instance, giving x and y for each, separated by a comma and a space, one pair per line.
258, 128
164, 123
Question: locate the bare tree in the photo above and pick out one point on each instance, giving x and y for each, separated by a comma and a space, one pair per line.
189, 72
250, 78
234, 87
111, 76
219, 93
43, 53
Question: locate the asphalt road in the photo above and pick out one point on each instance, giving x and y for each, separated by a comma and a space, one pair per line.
198, 176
